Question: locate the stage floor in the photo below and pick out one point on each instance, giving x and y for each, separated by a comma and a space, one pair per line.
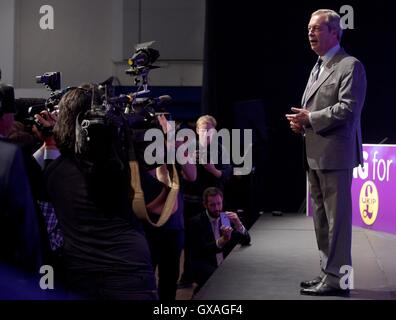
284, 252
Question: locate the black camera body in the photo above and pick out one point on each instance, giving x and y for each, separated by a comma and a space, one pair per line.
125, 118
124, 122
51, 80
141, 63
134, 112
31, 121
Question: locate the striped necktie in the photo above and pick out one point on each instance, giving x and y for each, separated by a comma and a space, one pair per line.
317, 69
312, 79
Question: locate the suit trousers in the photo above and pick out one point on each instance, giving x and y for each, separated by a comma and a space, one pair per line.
332, 214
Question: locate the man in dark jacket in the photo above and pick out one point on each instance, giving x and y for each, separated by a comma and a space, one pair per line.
214, 234
20, 246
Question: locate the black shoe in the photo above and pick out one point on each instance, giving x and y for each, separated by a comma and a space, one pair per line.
310, 283
324, 289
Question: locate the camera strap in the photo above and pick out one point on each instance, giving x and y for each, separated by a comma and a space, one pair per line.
138, 203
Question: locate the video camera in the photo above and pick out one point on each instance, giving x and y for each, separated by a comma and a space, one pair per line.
142, 60
141, 63
140, 113
130, 115
52, 81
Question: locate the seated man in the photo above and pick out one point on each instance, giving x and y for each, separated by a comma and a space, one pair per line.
214, 234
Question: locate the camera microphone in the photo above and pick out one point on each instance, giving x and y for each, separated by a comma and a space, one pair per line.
144, 57
124, 98
128, 98
162, 100
50, 79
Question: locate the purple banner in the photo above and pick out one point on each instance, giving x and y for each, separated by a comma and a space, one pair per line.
374, 190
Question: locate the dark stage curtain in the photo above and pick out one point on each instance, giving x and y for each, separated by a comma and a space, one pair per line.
258, 50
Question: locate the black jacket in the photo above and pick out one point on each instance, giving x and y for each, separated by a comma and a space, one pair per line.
204, 248
20, 243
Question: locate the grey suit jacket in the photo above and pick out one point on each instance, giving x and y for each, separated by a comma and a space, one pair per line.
333, 141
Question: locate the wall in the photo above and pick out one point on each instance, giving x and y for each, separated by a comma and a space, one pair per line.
7, 14
178, 28
93, 38
77, 47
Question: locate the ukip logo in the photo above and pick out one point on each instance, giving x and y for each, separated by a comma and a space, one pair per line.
369, 203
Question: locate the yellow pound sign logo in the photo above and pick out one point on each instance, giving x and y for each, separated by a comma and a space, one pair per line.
369, 203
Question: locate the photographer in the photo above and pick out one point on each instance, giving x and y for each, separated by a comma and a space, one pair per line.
48, 151
105, 251
208, 175
29, 134
24, 244
166, 242
27, 138
213, 235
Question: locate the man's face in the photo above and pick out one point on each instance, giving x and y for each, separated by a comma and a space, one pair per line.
321, 38
205, 133
214, 205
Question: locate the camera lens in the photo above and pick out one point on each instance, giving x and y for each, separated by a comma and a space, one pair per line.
39, 79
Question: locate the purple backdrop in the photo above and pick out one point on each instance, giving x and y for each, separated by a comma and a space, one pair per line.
374, 190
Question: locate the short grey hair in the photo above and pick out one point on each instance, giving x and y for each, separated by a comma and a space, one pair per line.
333, 20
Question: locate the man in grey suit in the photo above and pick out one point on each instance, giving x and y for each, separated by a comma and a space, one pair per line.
329, 119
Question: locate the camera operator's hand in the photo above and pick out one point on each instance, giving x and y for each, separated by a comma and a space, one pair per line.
166, 127
210, 167
47, 120
188, 170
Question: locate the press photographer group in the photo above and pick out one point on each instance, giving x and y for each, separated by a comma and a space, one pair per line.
103, 166
138, 121
222, 162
